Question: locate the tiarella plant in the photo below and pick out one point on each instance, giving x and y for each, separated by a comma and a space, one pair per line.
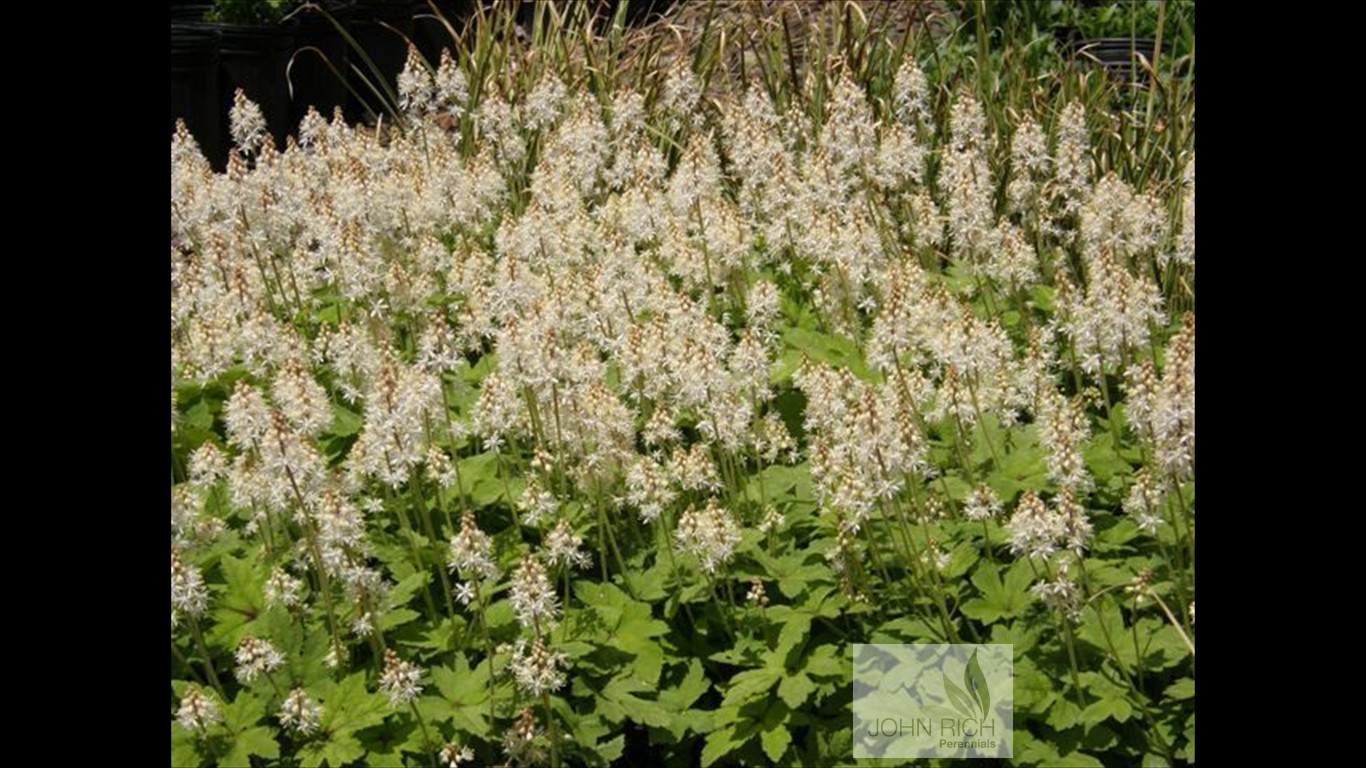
592, 414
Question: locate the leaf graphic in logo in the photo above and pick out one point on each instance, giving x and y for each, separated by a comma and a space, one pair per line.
976, 683
960, 700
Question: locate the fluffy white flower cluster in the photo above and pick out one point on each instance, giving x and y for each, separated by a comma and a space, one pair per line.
710, 535
300, 713
471, 550
400, 680
189, 595
198, 711
1163, 410
564, 547
533, 597
256, 657
865, 439
1038, 531
535, 669
452, 755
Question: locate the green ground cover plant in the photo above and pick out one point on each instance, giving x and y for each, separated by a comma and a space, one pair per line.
588, 408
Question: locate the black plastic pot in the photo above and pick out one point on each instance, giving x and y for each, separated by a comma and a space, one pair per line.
313, 83
194, 86
381, 28
1118, 55
638, 12
430, 35
1119, 52
254, 59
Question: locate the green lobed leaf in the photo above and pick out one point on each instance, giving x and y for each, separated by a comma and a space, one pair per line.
397, 618
749, 685
241, 604
621, 691
252, 742
1000, 598
185, 747
1034, 691
1102, 626
835, 351
795, 689
1064, 713
349, 707
406, 589
345, 422
719, 744
1101, 710
1188, 751
1032, 751
775, 742
1079, 759
796, 629
898, 630
1181, 689
338, 750
611, 750
729, 736
828, 661
682, 696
